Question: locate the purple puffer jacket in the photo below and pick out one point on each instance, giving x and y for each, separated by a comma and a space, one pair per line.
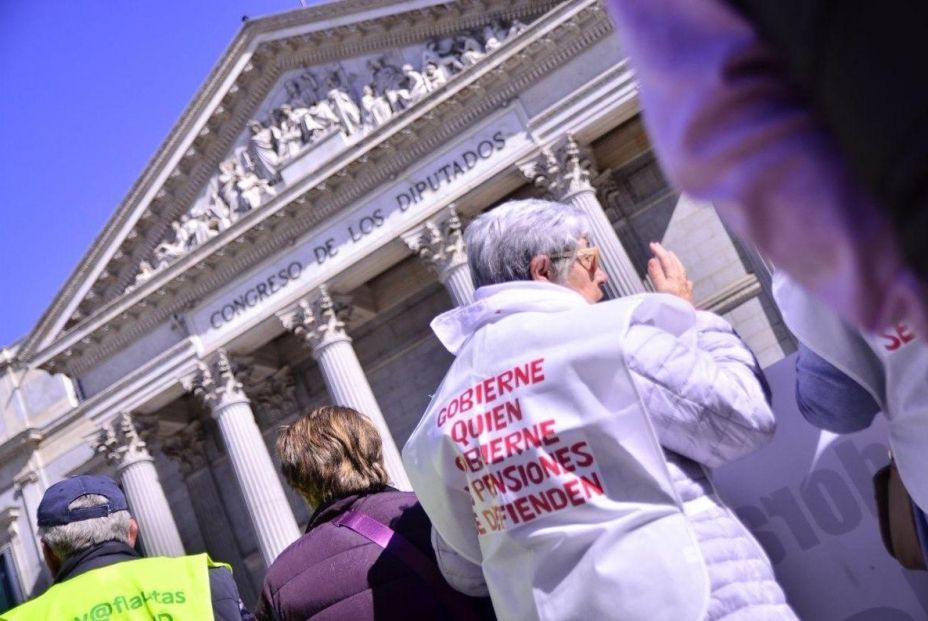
334, 574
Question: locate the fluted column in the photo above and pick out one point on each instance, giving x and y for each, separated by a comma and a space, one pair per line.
10, 537
565, 174
217, 387
324, 333
187, 449
120, 441
440, 242
30, 485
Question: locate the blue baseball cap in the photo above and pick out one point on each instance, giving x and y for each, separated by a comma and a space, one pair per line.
53, 510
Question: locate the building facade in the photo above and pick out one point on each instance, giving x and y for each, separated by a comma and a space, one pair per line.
291, 240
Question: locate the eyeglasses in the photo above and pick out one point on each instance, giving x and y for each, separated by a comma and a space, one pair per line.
587, 257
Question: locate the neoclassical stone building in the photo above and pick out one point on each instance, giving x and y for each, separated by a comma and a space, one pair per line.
290, 241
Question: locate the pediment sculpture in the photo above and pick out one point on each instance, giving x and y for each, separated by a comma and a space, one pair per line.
348, 99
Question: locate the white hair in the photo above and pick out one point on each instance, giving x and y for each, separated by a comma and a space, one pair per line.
68, 539
502, 242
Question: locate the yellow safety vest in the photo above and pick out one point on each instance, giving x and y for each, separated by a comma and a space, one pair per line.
159, 588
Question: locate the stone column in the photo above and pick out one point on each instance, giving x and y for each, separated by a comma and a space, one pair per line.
187, 449
9, 536
217, 387
30, 485
440, 242
344, 378
119, 440
565, 174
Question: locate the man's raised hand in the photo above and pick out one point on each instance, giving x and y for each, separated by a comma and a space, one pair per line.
668, 274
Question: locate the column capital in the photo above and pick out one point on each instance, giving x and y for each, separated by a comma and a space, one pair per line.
215, 382
29, 475
563, 171
120, 441
317, 320
9, 523
440, 242
187, 448
274, 398
300, 320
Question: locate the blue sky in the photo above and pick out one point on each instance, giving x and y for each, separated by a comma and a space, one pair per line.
88, 91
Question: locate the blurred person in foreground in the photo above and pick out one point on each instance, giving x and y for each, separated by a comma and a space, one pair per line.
88, 539
366, 553
788, 145
852, 62
563, 460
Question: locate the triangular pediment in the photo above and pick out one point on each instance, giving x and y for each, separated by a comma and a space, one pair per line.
292, 93
311, 115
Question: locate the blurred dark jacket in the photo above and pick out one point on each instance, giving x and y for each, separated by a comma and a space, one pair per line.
857, 63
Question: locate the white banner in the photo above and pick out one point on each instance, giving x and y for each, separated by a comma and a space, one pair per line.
808, 498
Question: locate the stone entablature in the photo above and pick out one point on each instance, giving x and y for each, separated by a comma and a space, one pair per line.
547, 45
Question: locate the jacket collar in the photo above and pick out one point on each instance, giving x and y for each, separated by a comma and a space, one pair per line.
495, 302
101, 555
328, 511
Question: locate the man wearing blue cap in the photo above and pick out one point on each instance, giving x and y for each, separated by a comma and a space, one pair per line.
88, 539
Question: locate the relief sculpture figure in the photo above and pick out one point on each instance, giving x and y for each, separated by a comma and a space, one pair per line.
470, 50
252, 189
375, 108
346, 110
387, 81
216, 211
291, 133
194, 231
309, 87
262, 147
439, 53
321, 118
416, 87
492, 39
295, 96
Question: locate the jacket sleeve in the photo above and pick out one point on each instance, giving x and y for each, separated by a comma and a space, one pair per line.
828, 398
442, 491
227, 603
463, 575
703, 389
729, 128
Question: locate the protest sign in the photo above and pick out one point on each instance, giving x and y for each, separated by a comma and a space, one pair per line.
808, 498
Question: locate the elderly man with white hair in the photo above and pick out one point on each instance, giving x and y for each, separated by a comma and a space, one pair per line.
88, 540
563, 460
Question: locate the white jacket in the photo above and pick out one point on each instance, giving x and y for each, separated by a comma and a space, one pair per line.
891, 365
537, 458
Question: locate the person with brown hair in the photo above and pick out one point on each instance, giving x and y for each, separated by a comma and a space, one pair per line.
367, 551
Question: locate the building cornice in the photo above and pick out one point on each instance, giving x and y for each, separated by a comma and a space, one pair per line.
26, 440
132, 391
